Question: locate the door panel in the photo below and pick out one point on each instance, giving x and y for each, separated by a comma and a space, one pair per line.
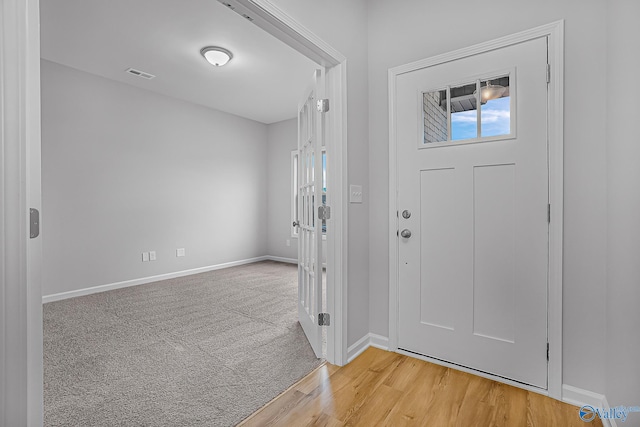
494, 251
437, 303
473, 274
310, 280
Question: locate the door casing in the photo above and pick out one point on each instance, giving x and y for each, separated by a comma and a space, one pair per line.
555, 120
277, 23
20, 257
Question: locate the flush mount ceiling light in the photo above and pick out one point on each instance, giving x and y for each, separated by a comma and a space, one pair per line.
489, 92
216, 56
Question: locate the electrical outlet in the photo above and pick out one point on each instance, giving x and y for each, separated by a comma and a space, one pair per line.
145, 256
288, 242
180, 252
152, 256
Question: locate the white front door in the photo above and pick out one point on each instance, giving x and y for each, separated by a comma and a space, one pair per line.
473, 220
310, 280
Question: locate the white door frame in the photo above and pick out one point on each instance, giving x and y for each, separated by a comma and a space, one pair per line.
273, 20
555, 34
20, 259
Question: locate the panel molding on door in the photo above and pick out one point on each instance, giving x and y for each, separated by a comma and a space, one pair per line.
437, 305
494, 192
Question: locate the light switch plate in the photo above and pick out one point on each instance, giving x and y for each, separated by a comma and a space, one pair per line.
180, 252
145, 256
355, 193
152, 256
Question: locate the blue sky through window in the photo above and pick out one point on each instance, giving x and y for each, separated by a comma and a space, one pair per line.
464, 125
495, 116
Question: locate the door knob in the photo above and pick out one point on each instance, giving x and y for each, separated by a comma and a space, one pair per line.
296, 223
405, 233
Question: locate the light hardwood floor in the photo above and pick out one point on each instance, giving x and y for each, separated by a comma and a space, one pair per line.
390, 389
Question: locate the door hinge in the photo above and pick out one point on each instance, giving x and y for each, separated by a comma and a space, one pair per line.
548, 73
324, 319
34, 223
547, 352
323, 105
549, 213
324, 212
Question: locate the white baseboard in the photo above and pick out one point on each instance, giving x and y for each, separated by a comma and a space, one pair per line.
143, 280
281, 259
369, 340
357, 348
378, 341
578, 397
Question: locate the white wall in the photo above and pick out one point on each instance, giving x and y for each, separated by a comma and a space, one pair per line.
401, 32
126, 170
343, 24
282, 138
623, 244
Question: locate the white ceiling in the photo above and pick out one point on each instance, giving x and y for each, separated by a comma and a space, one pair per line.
264, 81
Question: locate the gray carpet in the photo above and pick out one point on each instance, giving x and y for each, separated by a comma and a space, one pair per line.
203, 350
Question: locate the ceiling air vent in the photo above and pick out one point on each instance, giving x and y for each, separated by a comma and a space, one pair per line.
140, 73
